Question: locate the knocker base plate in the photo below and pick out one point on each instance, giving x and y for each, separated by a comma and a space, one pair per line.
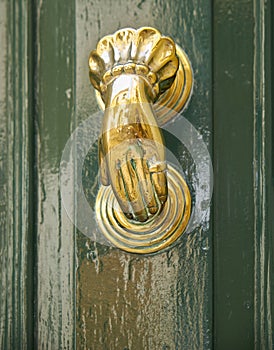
175, 99
154, 235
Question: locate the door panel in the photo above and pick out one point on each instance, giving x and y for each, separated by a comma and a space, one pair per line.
234, 147
54, 102
243, 176
61, 290
126, 301
16, 165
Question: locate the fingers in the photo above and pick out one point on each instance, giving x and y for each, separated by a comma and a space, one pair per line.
121, 195
159, 180
139, 184
127, 192
134, 195
142, 188
143, 175
160, 184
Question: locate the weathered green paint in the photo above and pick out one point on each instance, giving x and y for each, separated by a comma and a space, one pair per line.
59, 293
243, 188
164, 301
54, 98
16, 225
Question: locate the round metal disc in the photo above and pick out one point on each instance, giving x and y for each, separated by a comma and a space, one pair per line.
157, 233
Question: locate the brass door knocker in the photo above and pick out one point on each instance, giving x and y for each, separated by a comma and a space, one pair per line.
144, 204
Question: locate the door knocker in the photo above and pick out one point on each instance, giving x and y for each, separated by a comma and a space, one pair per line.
144, 204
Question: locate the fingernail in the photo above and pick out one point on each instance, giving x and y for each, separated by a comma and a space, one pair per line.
129, 216
153, 210
141, 217
163, 199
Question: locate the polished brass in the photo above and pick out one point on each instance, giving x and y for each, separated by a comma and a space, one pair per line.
156, 234
137, 73
173, 101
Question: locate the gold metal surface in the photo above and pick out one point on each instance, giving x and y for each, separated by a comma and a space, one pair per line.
175, 99
137, 73
159, 232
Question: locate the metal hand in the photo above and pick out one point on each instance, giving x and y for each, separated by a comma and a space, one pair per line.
131, 69
132, 155
137, 72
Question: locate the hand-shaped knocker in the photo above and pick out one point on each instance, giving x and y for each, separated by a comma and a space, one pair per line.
132, 69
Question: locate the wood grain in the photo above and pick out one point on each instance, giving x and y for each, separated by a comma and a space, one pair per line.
243, 315
164, 301
55, 120
61, 290
16, 238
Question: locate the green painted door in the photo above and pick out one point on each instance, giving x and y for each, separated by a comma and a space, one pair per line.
60, 289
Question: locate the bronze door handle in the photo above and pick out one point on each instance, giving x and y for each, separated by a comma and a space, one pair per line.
136, 73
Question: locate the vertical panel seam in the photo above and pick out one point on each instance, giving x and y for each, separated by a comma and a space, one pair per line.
262, 323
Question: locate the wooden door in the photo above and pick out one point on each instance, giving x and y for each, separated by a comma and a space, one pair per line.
61, 290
